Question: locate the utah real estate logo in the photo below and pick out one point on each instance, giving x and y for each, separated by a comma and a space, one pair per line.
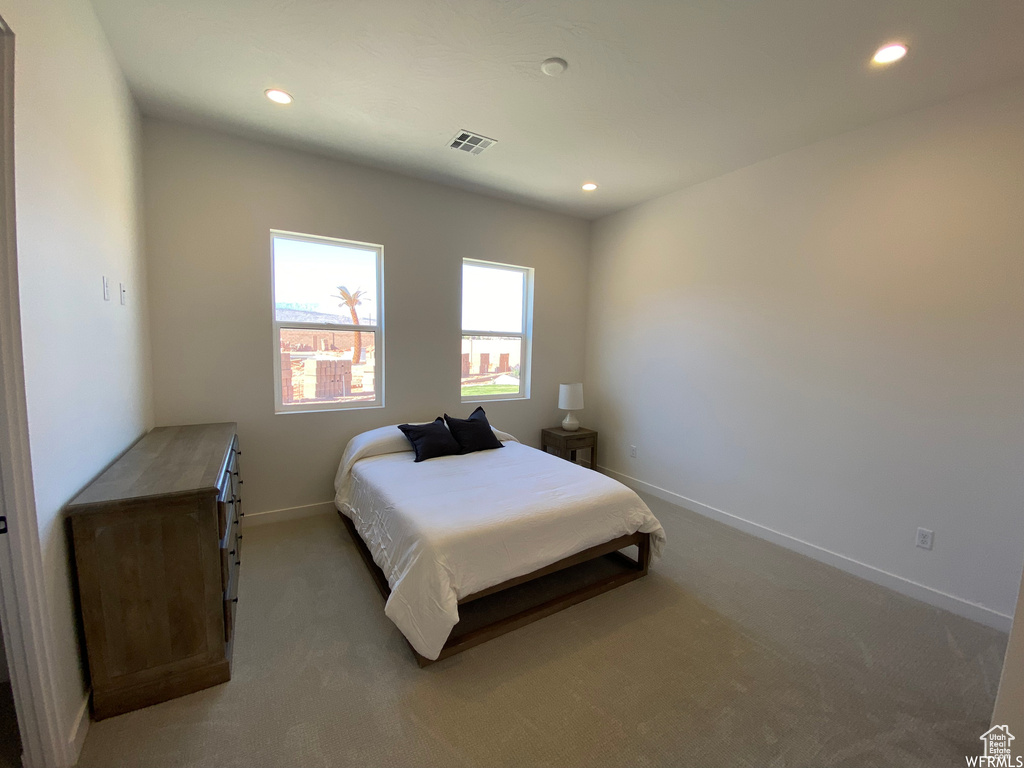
998, 752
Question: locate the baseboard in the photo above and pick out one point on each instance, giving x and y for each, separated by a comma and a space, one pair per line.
937, 598
253, 519
79, 729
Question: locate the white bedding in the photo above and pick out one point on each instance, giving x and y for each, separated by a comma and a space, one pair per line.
446, 528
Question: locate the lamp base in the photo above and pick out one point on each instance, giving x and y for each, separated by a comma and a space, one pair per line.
570, 423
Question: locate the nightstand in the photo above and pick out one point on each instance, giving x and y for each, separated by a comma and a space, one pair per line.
565, 444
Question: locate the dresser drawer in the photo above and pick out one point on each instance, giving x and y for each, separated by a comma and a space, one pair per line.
230, 609
230, 557
233, 476
231, 602
235, 472
229, 491
226, 504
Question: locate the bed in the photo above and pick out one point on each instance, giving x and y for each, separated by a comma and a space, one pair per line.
439, 535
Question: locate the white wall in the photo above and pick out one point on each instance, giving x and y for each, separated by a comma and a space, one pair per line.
86, 362
829, 344
211, 200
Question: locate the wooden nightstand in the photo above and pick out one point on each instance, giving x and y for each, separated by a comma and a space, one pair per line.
565, 444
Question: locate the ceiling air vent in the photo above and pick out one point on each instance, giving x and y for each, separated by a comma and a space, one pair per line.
473, 143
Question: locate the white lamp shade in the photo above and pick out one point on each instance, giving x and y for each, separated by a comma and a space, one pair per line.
570, 397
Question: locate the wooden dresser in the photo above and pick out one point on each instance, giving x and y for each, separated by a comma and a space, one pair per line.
157, 550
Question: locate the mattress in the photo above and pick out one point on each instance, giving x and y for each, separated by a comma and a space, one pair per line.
446, 528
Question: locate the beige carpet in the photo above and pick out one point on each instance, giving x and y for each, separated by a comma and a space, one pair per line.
733, 652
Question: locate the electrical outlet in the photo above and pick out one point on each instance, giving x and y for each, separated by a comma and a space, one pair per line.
632, 451
106, 289
924, 538
124, 294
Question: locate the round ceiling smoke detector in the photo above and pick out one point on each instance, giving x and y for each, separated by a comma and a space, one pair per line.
554, 67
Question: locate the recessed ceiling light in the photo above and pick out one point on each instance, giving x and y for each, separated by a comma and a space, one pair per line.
279, 96
554, 66
887, 54
589, 186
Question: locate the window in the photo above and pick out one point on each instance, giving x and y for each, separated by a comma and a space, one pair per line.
328, 323
497, 320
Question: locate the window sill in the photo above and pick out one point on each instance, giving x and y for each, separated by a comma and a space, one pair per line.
494, 399
329, 410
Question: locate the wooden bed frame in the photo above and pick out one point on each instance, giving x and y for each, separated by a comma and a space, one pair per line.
619, 569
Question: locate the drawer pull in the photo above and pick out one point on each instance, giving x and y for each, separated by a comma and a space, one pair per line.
234, 600
239, 537
231, 552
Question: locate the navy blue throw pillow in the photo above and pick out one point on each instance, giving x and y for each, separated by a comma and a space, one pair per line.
474, 433
431, 440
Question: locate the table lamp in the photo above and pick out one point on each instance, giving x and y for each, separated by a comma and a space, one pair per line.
570, 398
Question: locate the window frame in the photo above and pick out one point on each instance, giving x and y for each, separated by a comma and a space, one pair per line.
526, 336
377, 329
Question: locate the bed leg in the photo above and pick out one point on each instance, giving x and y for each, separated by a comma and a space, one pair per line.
644, 553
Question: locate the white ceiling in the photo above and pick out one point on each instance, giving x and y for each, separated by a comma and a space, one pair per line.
659, 94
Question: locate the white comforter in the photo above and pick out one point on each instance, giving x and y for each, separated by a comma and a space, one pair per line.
446, 528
